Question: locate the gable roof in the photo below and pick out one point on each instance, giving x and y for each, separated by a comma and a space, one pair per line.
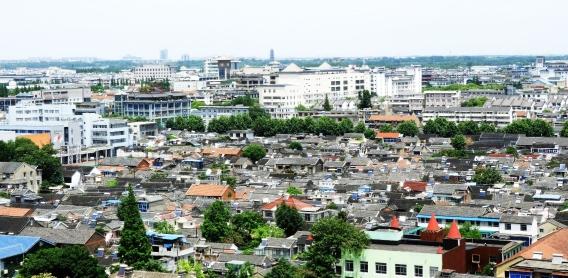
122, 161
415, 186
9, 167
288, 201
207, 190
388, 135
16, 245
14, 212
221, 151
392, 118
13, 225
60, 236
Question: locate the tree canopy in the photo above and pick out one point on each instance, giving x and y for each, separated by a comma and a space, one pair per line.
364, 99
288, 219
134, 248
474, 102
283, 269
326, 105
332, 237
441, 127
292, 190
408, 128
70, 261
215, 225
458, 142
295, 145
254, 152
488, 176
191, 123
528, 127
24, 150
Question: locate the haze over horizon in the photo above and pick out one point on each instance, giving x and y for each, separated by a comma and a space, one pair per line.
294, 29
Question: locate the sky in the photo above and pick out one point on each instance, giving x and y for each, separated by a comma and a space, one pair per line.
111, 29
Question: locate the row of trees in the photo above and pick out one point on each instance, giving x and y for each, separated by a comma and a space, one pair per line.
407, 128
191, 123
443, 127
4, 91
474, 102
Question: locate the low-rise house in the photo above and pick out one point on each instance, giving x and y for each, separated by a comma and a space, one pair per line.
169, 248
549, 226
335, 166
129, 162
221, 152
213, 191
516, 227
451, 193
298, 165
60, 237
276, 248
389, 137
19, 175
486, 221
310, 213
13, 250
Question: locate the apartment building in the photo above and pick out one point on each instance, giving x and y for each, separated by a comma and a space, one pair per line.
310, 86
153, 106
500, 116
442, 98
158, 72
209, 112
388, 83
219, 67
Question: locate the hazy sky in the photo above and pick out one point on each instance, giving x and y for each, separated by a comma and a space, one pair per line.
294, 28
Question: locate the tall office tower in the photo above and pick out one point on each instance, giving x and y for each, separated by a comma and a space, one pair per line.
163, 54
271, 55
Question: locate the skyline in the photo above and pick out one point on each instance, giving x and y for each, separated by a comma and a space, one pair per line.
112, 30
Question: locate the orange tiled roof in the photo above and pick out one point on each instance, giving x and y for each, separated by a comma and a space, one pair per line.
39, 140
392, 118
207, 190
14, 212
417, 186
388, 135
554, 243
291, 202
221, 151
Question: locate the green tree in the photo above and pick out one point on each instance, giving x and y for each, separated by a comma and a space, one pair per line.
301, 108
468, 128
512, 151
458, 142
292, 190
283, 269
134, 248
364, 99
474, 102
360, 127
386, 128
369, 133
288, 219
215, 225
196, 104
254, 152
441, 127
486, 127
295, 145
69, 261
533, 128
345, 126
245, 270
488, 176
255, 112
163, 227
564, 131
326, 104
408, 128
333, 238
266, 231
242, 226
469, 231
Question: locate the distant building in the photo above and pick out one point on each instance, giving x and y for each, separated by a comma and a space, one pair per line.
209, 112
154, 106
163, 54
219, 67
499, 116
271, 58
442, 98
158, 72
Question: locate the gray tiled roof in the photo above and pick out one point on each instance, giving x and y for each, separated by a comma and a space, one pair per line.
9, 167
60, 236
456, 211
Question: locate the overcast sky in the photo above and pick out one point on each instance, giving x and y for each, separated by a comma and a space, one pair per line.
294, 28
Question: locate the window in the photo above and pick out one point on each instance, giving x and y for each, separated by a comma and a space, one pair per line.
400, 269
475, 258
433, 271
418, 271
523, 227
348, 265
364, 267
381, 268
493, 259
507, 226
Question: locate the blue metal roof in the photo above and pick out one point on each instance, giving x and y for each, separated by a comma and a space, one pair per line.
16, 245
164, 236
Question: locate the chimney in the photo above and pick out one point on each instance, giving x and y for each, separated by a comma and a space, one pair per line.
537, 255
557, 259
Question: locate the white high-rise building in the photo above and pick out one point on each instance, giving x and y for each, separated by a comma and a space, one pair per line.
389, 83
309, 87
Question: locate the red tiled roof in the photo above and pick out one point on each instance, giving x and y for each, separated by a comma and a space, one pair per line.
207, 190
433, 224
14, 212
388, 135
554, 243
392, 118
454, 232
290, 201
416, 186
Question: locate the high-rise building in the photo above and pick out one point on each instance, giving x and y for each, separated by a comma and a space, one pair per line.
163, 54
271, 55
185, 57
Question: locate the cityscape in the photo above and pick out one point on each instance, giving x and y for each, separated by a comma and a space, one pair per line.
284, 139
